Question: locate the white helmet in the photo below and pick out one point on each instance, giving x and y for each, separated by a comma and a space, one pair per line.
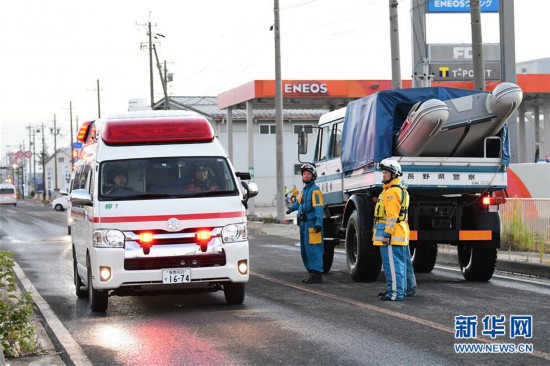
391, 165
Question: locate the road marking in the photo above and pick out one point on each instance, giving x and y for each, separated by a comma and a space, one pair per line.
73, 349
512, 278
385, 311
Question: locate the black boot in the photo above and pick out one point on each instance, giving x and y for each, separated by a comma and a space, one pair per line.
316, 278
309, 278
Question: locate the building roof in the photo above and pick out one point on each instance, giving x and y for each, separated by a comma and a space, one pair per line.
64, 150
208, 106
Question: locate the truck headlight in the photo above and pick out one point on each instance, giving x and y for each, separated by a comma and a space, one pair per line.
234, 232
108, 239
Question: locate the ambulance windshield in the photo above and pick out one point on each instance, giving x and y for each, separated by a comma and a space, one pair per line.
171, 177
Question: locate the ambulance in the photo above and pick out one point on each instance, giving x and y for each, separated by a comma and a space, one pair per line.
157, 208
8, 194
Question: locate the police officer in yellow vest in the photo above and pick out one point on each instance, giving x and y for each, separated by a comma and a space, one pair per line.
392, 232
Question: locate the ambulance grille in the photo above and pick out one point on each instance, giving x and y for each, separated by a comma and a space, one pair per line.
193, 261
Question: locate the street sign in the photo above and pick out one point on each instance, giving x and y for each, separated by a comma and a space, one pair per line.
19, 154
461, 52
28, 154
461, 6
463, 71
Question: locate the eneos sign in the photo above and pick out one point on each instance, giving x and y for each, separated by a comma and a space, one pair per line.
302, 88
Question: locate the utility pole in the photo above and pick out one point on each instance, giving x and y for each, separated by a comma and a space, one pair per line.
151, 63
72, 141
34, 159
29, 127
394, 40
166, 104
98, 101
43, 164
477, 46
279, 117
55, 132
162, 80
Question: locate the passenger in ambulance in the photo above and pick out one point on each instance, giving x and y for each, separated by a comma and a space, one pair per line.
202, 180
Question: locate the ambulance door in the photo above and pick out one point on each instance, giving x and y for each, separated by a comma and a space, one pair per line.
82, 215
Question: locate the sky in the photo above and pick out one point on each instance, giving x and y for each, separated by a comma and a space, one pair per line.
55, 52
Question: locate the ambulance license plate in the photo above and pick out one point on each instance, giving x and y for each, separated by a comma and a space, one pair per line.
180, 275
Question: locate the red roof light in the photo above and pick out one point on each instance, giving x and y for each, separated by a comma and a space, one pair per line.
157, 130
83, 132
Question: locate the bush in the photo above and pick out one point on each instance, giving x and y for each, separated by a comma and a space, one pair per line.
17, 333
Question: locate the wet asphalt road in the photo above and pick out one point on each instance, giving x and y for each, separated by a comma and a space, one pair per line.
281, 321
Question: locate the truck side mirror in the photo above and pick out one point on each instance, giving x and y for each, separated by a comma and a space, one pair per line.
302, 142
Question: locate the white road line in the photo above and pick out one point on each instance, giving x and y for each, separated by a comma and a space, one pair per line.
383, 310
505, 277
74, 351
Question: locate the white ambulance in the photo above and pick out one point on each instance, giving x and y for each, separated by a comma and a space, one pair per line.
8, 194
157, 207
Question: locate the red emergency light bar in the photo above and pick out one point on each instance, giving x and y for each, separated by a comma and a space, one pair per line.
83, 132
157, 130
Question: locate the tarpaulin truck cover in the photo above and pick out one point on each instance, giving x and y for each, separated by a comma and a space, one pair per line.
372, 123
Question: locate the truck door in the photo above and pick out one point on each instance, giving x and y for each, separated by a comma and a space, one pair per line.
329, 167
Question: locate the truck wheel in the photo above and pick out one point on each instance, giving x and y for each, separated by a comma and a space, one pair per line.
477, 264
478, 259
423, 256
328, 255
234, 293
78, 284
363, 258
98, 300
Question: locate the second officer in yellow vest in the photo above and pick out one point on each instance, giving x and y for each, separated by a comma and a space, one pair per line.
391, 231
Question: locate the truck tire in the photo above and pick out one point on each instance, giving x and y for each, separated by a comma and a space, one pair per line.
423, 256
80, 290
234, 293
363, 258
478, 259
477, 264
328, 255
99, 300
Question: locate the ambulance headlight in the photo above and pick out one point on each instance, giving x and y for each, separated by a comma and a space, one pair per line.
108, 239
234, 233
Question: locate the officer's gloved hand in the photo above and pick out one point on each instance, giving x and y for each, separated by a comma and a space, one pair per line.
317, 229
288, 211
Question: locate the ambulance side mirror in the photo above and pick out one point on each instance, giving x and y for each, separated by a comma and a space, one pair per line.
80, 197
250, 190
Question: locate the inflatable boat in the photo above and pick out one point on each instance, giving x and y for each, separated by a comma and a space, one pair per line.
457, 127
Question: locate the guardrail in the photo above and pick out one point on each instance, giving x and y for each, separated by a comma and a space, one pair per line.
526, 224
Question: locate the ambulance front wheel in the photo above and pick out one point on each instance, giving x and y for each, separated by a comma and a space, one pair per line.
80, 288
234, 293
98, 299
